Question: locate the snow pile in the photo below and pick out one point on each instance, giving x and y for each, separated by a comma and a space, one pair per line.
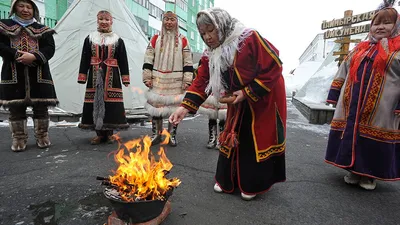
300, 76
317, 87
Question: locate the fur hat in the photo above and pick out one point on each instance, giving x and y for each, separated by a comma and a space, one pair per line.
35, 9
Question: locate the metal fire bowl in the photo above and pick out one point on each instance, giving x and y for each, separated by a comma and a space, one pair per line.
140, 211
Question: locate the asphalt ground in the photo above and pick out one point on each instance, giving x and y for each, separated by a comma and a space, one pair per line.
58, 185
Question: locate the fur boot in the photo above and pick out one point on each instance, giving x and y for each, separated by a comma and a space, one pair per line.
172, 131
19, 135
156, 128
42, 132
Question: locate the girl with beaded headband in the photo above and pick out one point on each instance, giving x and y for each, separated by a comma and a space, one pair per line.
104, 27
364, 136
167, 72
104, 66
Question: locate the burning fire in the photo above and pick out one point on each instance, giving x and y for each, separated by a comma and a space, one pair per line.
137, 90
139, 176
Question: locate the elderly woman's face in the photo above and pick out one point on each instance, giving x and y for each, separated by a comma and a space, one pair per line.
382, 27
210, 35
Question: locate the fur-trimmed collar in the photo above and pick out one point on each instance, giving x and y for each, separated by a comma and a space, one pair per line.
11, 28
103, 38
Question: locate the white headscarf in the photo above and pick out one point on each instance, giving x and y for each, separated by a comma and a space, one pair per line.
231, 33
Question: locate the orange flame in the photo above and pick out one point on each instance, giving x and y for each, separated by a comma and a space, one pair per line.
136, 89
139, 176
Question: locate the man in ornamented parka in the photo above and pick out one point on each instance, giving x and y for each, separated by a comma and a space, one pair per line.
167, 72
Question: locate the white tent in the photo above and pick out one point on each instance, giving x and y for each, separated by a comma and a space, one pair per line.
72, 29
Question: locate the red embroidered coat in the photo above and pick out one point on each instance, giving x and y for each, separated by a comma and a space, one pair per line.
257, 71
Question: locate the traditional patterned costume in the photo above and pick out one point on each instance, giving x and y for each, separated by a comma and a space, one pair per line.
168, 66
215, 111
365, 135
104, 64
252, 153
26, 85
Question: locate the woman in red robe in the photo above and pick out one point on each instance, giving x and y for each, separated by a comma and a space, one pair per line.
239, 62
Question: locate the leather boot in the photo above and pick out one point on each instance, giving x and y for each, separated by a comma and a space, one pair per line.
19, 135
42, 132
156, 128
172, 131
221, 125
212, 134
109, 135
99, 138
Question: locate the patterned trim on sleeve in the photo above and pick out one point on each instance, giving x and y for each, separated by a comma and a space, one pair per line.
82, 78
125, 79
256, 89
192, 101
188, 104
250, 94
40, 56
337, 84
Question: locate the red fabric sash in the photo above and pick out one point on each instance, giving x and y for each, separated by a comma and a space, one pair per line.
380, 60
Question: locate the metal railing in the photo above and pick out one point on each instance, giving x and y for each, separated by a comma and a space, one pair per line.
44, 20
49, 22
4, 14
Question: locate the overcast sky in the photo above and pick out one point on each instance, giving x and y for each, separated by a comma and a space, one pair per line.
292, 25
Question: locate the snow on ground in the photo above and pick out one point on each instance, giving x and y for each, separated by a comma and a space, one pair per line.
29, 123
300, 122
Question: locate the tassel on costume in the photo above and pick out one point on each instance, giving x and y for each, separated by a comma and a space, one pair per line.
229, 136
98, 104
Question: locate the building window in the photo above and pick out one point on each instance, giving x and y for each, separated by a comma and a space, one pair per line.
182, 4
193, 20
143, 24
192, 35
155, 12
182, 23
144, 3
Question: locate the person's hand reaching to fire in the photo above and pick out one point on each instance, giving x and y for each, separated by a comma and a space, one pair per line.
178, 115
